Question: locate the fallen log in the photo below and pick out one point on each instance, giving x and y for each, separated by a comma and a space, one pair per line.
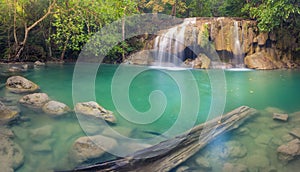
170, 153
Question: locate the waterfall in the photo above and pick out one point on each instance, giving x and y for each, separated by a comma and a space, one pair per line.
169, 46
237, 52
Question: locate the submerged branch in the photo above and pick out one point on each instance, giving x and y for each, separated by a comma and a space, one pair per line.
170, 153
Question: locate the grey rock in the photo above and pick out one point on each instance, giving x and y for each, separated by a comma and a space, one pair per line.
289, 151
93, 109
19, 84
11, 155
35, 100
87, 148
55, 108
6, 114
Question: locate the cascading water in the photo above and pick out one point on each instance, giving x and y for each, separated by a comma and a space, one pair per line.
237, 52
169, 47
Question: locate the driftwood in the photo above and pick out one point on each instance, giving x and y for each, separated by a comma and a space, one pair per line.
170, 153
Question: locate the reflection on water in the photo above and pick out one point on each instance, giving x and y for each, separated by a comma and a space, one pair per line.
46, 140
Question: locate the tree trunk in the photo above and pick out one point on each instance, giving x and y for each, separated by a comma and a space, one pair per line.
62, 56
168, 154
19, 47
123, 37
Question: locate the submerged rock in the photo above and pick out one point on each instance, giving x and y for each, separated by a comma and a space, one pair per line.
11, 155
55, 108
36, 100
42, 133
19, 84
233, 149
228, 167
289, 151
281, 117
203, 163
93, 109
7, 114
295, 132
88, 148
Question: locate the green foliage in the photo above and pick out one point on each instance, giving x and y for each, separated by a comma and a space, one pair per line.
271, 14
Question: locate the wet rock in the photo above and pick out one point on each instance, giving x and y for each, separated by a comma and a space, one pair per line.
88, 148
233, 149
201, 62
280, 116
144, 57
42, 133
289, 151
228, 167
6, 114
55, 108
295, 132
19, 84
11, 155
36, 100
5, 132
39, 63
203, 163
93, 109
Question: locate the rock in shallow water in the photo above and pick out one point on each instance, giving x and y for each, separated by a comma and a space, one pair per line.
55, 108
6, 114
88, 148
93, 109
11, 155
19, 84
289, 151
36, 100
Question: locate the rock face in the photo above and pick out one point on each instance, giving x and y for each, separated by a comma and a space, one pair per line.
233, 39
6, 114
36, 100
289, 151
88, 148
19, 84
93, 109
144, 57
262, 60
55, 108
11, 155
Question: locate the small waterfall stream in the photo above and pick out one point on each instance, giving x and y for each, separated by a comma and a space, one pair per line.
237, 52
169, 46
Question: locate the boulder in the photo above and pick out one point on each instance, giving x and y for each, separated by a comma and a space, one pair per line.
289, 151
88, 148
144, 57
7, 114
262, 60
11, 155
35, 100
39, 63
281, 117
93, 109
19, 84
55, 108
201, 62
